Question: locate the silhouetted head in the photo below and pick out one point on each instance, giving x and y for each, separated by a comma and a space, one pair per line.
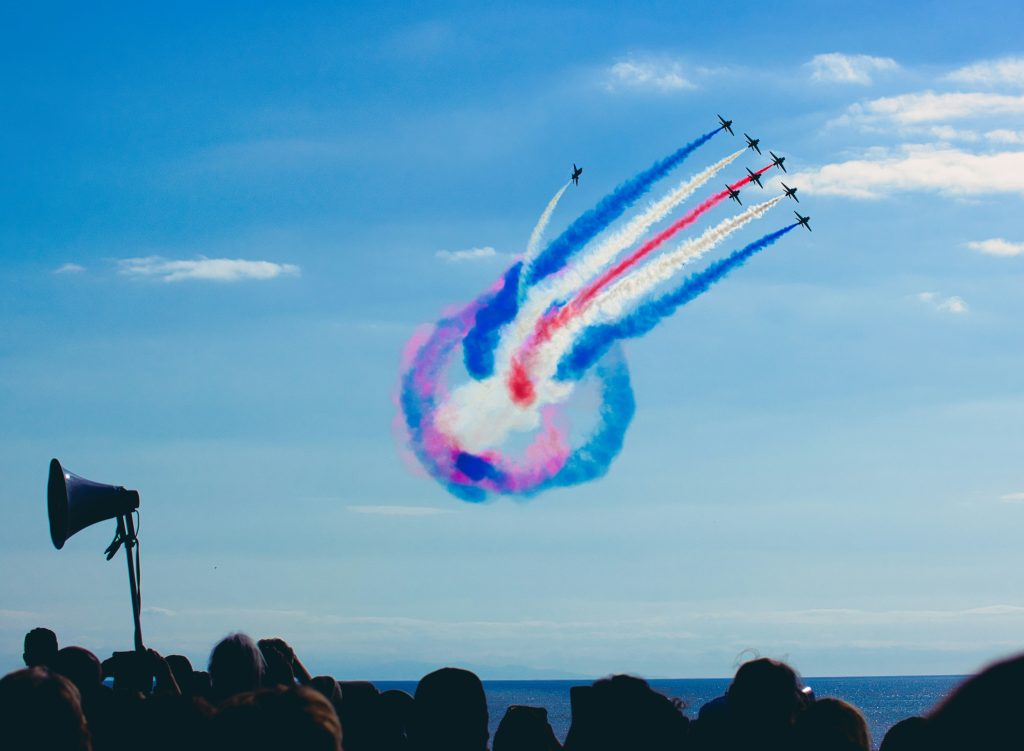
40, 648
910, 734
450, 712
984, 711
359, 712
41, 710
184, 675
624, 712
525, 729
277, 719
236, 665
81, 667
763, 700
831, 725
396, 708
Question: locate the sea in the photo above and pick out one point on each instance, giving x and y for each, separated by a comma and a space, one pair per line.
883, 700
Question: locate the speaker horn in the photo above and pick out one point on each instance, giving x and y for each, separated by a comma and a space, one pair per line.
75, 503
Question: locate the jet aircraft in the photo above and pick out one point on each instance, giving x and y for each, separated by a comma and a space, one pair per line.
726, 125
576, 172
777, 161
752, 143
791, 192
754, 177
734, 195
804, 220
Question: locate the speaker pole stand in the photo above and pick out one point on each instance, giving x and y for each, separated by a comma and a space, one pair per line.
126, 530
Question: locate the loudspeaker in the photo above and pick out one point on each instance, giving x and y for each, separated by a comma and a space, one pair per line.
74, 503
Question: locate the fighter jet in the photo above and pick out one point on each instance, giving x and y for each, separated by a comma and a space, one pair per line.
576, 172
777, 161
734, 195
726, 125
752, 143
804, 221
754, 177
791, 192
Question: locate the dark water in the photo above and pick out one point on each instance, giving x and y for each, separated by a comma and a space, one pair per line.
884, 701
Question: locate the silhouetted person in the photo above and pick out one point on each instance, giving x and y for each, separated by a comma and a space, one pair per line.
449, 712
758, 710
359, 712
396, 709
525, 729
910, 734
236, 666
624, 712
277, 719
81, 667
40, 648
831, 725
984, 712
191, 682
41, 711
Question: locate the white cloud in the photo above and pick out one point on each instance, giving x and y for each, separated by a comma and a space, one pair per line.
952, 304
948, 171
997, 247
398, 510
836, 67
470, 254
69, 268
1007, 71
1004, 135
209, 269
656, 75
1012, 498
930, 107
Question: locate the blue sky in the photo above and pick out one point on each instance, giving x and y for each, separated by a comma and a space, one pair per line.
219, 227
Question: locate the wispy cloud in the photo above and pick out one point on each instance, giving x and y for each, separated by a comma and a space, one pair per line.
1007, 71
835, 67
153, 610
949, 171
1012, 498
398, 510
69, 268
997, 247
206, 269
469, 254
651, 74
951, 304
931, 107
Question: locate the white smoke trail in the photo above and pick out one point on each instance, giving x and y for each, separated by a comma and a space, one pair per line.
540, 297
595, 261
533, 246
613, 302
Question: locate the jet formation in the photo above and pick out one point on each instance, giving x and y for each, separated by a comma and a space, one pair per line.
777, 161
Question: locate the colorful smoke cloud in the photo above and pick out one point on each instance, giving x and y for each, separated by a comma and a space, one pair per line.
489, 394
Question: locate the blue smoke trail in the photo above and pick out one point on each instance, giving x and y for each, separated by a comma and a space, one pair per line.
610, 208
596, 340
592, 459
478, 347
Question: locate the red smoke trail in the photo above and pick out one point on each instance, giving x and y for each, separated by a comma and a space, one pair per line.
580, 302
520, 386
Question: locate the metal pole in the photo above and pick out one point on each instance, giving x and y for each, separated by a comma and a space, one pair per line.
128, 535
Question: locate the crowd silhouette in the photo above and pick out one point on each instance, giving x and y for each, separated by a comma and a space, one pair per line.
259, 696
